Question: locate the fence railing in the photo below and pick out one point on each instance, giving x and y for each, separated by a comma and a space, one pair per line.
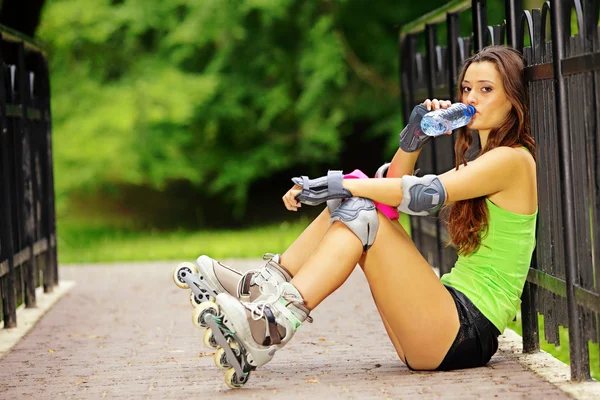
27, 216
563, 74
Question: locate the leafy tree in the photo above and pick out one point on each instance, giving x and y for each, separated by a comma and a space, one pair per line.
219, 95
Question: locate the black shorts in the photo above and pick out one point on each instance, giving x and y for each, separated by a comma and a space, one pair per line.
477, 338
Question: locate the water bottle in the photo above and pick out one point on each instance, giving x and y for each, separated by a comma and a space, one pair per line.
437, 122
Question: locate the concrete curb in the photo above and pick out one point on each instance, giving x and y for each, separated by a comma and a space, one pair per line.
548, 367
28, 317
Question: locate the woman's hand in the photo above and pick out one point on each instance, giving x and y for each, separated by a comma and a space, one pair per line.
436, 104
289, 199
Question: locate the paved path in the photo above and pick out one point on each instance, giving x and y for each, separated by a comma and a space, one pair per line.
125, 331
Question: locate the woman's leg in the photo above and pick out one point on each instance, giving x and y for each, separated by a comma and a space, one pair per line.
297, 254
393, 338
415, 306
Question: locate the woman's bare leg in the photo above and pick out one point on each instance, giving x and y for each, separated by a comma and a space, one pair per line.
295, 256
414, 304
393, 338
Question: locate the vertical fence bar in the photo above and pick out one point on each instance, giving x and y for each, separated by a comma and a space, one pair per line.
45, 105
406, 61
514, 9
453, 26
431, 44
529, 306
408, 51
579, 370
9, 308
479, 24
29, 179
529, 319
53, 238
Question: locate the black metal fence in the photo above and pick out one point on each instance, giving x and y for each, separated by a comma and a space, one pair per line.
27, 216
563, 73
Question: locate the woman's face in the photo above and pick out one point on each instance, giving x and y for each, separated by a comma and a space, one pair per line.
482, 88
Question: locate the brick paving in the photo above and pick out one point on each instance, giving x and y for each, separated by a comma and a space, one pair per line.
125, 331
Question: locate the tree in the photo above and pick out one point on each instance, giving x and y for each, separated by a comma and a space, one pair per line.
222, 95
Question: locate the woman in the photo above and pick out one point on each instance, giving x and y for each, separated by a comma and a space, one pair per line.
434, 324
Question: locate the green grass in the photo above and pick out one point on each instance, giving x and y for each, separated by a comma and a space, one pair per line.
84, 241
100, 242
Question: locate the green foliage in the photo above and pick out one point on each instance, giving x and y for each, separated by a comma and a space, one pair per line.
218, 93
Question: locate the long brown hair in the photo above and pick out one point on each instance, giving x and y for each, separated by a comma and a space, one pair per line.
467, 220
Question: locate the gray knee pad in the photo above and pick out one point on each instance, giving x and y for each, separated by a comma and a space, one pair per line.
333, 204
422, 195
360, 216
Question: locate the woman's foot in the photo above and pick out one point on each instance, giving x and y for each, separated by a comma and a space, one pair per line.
208, 277
264, 326
224, 279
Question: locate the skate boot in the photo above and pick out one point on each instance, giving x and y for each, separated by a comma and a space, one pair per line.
210, 277
249, 334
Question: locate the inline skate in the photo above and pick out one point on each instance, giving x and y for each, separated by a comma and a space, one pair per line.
248, 334
208, 277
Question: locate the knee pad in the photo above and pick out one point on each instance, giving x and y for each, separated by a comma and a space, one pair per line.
360, 216
333, 204
422, 195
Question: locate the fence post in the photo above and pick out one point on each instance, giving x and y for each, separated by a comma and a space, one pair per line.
529, 319
479, 24
431, 44
9, 307
453, 26
44, 95
28, 178
408, 51
52, 239
514, 8
579, 370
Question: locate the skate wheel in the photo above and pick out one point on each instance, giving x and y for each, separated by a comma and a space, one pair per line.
182, 270
194, 300
235, 347
220, 356
232, 380
200, 312
220, 359
209, 339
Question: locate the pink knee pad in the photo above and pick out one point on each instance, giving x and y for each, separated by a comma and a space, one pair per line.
388, 211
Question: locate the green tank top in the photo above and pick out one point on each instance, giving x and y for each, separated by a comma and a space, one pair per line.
493, 276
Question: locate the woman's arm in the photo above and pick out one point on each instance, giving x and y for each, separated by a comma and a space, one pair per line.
403, 163
490, 173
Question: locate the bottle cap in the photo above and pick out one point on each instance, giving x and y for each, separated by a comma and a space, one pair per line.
470, 111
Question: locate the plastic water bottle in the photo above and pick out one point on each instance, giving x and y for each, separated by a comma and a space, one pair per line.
437, 122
